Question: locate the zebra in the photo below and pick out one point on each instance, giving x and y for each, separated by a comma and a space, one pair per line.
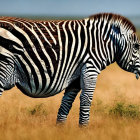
43, 58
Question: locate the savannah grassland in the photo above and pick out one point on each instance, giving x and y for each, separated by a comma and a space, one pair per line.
115, 112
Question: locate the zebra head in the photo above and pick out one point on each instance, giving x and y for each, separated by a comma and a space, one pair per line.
7, 71
128, 51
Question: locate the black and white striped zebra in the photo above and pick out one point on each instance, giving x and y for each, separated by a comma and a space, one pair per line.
42, 58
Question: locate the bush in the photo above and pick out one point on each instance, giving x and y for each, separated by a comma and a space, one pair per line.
123, 110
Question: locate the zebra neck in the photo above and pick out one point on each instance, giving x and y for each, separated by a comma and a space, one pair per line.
102, 48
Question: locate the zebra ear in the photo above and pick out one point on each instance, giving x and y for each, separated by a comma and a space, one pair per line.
116, 29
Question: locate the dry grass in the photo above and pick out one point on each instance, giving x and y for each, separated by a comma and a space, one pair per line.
25, 118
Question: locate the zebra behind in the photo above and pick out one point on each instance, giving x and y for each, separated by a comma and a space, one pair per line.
42, 58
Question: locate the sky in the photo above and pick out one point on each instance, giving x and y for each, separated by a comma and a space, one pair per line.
68, 7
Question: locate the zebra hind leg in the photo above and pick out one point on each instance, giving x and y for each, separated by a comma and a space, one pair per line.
67, 100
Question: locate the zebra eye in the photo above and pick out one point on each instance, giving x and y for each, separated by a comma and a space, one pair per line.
116, 29
136, 46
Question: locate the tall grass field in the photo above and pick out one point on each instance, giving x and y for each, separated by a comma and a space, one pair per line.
115, 112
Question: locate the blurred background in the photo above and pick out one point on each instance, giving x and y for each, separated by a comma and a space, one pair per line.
54, 9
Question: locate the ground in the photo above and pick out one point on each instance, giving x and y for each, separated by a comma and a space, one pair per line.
114, 112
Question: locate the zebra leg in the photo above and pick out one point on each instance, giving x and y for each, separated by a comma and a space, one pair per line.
68, 98
88, 83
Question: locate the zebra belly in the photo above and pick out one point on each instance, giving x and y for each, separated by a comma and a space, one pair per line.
45, 94
65, 82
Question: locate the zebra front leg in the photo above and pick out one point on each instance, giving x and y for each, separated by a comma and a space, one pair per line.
88, 83
68, 98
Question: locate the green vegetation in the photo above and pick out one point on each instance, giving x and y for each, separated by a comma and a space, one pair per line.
120, 108
125, 110
38, 110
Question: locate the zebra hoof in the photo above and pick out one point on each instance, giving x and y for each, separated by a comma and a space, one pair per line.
83, 125
60, 122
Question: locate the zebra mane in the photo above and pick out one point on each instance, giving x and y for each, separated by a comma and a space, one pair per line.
110, 17
115, 17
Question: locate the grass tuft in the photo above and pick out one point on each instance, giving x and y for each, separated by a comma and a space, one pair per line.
125, 110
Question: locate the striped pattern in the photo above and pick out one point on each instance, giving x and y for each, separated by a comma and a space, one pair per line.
43, 49
44, 57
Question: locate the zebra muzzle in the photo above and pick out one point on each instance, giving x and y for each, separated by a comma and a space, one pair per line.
137, 74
